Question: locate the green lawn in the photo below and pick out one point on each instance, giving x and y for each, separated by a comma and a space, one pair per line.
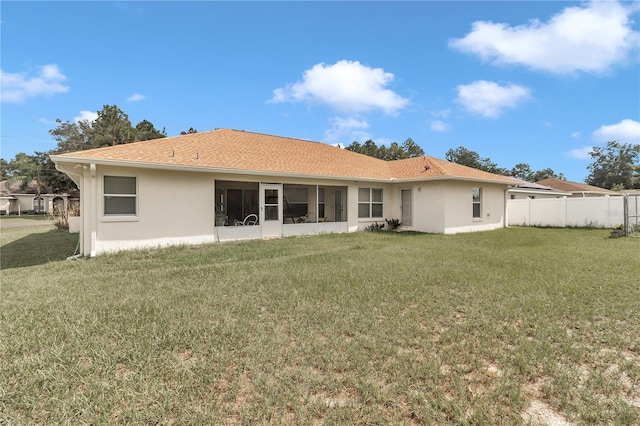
499, 327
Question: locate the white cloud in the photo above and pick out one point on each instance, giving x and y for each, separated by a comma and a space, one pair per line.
591, 38
136, 97
626, 131
346, 86
442, 113
347, 129
576, 135
489, 99
581, 153
89, 116
17, 87
440, 126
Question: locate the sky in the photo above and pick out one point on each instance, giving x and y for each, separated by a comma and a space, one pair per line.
540, 82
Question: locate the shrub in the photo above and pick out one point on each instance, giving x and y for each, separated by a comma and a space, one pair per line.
393, 223
375, 227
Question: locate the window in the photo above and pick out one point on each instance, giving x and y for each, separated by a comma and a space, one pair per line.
119, 196
38, 204
477, 203
271, 204
369, 202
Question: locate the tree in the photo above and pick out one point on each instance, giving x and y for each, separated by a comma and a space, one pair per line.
71, 137
51, 177
546, 174
112, 127
191, 130
26, 169
522, 171
408, 149
466, 157
146, 131
412, 149
615, 166
5, 173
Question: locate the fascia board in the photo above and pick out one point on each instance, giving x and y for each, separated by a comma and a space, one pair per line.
460, 178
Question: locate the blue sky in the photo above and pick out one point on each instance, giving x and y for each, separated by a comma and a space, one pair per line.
518, 82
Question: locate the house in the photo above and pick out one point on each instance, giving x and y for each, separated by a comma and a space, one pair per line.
576, 189
226, 185
15, 200
529, 190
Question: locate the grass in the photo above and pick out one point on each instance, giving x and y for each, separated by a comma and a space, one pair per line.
26, 245
498, 327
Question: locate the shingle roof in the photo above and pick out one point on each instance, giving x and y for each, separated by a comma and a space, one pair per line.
15, 188
240, 151
565, 185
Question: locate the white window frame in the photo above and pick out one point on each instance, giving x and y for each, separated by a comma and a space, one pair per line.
476, 202
105, 194
370, 202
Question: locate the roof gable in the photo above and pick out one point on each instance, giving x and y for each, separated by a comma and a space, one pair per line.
240, 151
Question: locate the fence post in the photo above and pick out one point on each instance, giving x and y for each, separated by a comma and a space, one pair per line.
625, 208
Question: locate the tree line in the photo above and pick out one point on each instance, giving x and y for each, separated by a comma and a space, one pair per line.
615, 166
111, 127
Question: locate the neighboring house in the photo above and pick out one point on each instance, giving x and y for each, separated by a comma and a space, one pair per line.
205, 187
529, 190
15, 200
576, 189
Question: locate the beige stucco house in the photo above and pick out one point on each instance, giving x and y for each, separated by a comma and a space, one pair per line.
16, 200
228, 185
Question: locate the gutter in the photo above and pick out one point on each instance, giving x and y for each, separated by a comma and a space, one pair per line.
201, 169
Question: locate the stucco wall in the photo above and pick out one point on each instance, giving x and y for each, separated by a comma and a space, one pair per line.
459, 207
429, 207
446, 206
178, 207
172, 208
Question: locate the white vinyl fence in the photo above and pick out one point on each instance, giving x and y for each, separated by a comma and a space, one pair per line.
590, 212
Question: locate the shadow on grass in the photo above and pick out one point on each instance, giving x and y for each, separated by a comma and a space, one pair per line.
38, 248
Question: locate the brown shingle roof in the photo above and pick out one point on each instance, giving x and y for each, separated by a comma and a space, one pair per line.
431, 167
234, 150
565, 185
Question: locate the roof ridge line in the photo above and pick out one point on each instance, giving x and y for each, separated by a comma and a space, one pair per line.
274, 136
436, 165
